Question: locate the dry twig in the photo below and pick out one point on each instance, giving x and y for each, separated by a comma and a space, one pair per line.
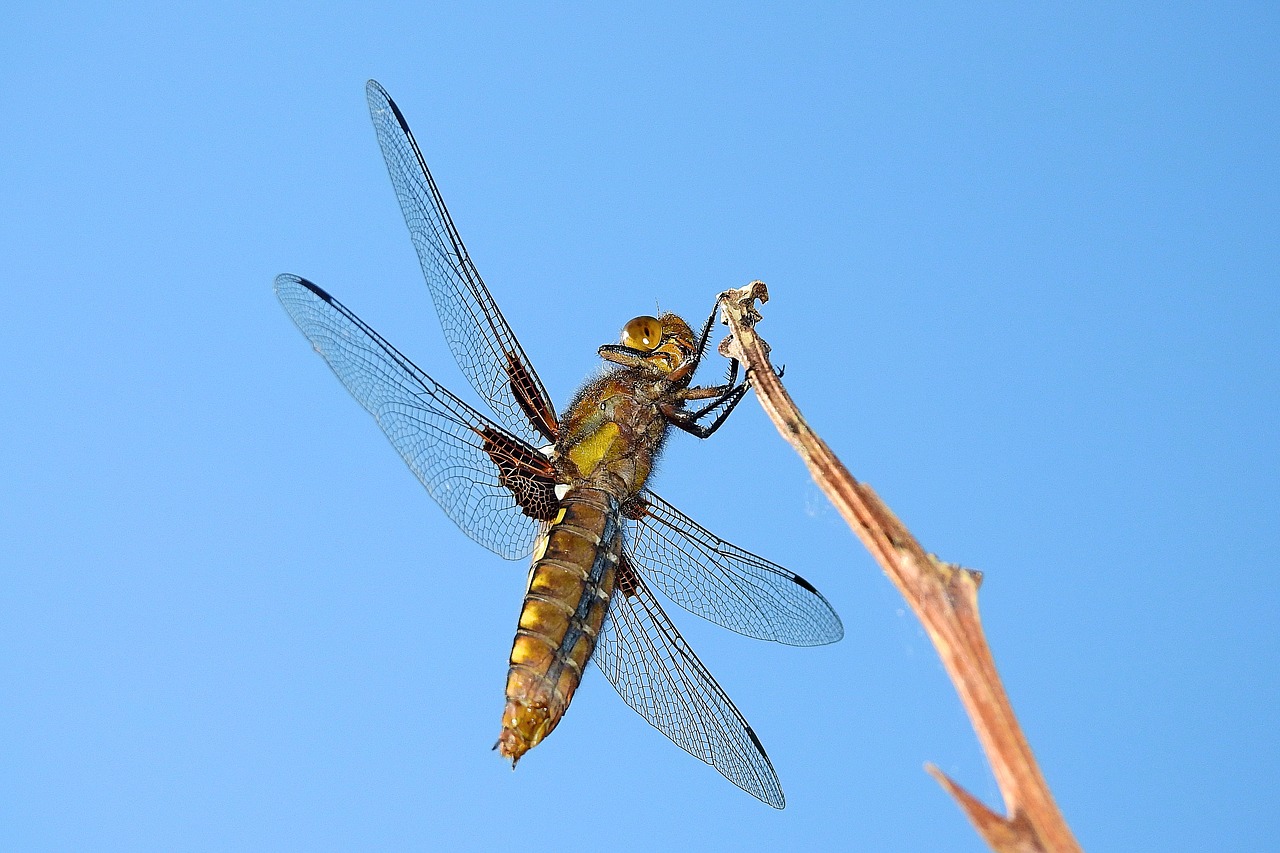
944, 597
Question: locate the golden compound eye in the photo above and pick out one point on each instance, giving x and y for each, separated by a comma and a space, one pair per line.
642, 333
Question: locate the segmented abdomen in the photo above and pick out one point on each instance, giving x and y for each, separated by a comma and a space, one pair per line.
570, 585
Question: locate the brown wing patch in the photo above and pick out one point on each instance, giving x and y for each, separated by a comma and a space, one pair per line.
530, 399
525, 472
625, 581
636, 508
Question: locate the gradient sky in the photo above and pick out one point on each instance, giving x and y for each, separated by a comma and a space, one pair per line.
1023, 264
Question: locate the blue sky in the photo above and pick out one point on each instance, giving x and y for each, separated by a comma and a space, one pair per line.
1023, 267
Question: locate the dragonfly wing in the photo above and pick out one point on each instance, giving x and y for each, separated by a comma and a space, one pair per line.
479, 337
493, 485
723, 583
656, 673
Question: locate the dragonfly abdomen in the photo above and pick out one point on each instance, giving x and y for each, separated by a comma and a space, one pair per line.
570, 584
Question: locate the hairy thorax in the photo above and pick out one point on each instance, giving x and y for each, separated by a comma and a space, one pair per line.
613, 431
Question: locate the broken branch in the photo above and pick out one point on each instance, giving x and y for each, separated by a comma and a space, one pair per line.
944, 597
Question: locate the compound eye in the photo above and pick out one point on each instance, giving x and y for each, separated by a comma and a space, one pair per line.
642, 333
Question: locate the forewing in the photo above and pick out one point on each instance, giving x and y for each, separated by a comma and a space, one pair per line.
723, 583
478, 334
657, 674
493, 485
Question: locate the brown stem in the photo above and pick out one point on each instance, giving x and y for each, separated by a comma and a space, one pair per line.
944, 597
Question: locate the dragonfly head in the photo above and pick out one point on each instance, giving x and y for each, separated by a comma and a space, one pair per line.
667, 341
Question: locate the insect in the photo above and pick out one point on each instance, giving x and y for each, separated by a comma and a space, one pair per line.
572, 491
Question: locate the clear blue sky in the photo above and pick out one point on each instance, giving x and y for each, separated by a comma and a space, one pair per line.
1024, 276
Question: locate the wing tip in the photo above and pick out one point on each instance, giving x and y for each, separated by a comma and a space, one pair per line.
289, 280
804, 583
379, 100
835, 632
835, 627
770, 788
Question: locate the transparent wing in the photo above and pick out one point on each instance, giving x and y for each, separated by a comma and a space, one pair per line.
478, 335
657, 674
723, 583
489, 482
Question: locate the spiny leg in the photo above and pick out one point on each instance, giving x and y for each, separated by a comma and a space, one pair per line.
717, 394
688, 421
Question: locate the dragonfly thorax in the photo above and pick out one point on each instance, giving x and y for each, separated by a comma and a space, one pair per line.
613, 431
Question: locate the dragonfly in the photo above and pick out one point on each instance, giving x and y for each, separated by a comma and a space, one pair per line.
571, 491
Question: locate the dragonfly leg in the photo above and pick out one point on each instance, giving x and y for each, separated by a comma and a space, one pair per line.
685, 371
689, 421
717, 394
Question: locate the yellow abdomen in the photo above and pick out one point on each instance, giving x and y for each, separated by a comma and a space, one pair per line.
570, 585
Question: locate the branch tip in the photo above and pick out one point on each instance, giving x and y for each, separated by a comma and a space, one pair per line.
943, 596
